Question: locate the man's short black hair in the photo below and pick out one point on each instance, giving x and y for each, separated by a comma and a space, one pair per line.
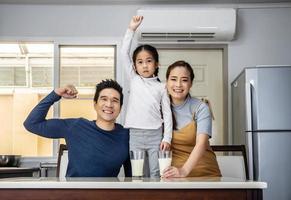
108, 83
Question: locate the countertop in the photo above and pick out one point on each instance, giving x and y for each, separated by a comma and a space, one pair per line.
16, 169
131, 183
6, 172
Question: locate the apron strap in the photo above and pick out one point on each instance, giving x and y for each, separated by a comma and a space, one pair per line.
209, 105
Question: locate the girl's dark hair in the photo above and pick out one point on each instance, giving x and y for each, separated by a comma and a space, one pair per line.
152, 50
187, 66
108, 83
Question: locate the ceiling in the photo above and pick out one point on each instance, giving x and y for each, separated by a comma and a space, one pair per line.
121, 2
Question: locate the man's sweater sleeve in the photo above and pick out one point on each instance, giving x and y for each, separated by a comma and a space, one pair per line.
52, 128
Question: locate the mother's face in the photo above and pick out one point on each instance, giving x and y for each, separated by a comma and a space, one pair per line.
179, 84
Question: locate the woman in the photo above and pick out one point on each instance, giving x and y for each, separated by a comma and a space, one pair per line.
192, 124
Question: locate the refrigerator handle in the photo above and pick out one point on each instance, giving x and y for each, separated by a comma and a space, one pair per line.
249, 126
249, 106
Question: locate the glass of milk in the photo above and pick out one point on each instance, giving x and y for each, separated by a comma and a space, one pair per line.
137, 160
165, 160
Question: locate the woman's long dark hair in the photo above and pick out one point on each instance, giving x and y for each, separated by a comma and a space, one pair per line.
187, 66
152, 50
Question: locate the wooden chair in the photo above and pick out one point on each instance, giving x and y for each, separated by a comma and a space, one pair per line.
231, 164
62, 161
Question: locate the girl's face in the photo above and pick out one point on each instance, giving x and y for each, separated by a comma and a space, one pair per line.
145, 64
179, 84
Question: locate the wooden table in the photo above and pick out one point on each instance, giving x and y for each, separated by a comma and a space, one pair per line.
111, 188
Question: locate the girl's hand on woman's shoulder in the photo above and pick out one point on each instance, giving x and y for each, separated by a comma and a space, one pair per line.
135, 22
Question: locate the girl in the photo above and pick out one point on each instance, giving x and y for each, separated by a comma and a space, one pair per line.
192, 154
148, 112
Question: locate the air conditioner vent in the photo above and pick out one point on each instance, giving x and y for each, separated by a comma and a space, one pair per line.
187, 25
176, 36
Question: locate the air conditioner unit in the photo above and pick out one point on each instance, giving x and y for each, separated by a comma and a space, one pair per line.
187, 25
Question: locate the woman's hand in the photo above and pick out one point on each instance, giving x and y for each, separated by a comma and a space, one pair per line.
174, 172
67, 92
135, 22
198, 151
165, 146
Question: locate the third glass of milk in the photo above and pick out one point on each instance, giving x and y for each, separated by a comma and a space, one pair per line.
165, 160
137, 160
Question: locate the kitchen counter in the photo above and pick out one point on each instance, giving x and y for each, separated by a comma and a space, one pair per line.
127, 188
128, 183
6, 172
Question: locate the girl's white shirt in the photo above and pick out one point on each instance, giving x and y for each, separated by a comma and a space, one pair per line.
149, 104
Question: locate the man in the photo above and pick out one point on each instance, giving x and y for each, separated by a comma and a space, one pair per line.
97, 148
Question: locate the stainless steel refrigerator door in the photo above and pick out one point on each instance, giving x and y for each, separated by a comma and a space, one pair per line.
241, 117
272, 163
270, 97
238, 93
260, 101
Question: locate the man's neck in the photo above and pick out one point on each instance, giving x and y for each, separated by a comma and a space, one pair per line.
107, 126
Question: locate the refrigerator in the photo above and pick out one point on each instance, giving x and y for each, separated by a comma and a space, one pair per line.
261, 120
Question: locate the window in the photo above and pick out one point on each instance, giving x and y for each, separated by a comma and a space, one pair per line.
12, 66
26, 76
84, 66
28, 65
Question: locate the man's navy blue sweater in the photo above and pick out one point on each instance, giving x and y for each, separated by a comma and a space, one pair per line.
92, 151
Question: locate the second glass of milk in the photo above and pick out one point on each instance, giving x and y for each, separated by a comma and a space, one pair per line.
165, 160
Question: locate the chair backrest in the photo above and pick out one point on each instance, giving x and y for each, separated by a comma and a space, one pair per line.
231, 164
62, 161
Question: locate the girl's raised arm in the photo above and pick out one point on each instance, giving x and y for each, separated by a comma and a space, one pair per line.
126, 61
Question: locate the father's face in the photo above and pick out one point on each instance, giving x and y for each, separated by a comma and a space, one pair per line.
108, 105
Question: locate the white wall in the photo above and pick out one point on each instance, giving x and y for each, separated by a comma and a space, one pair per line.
264, 37
64, 21
264, 34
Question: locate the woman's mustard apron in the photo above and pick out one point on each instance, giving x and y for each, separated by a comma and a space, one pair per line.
183, 143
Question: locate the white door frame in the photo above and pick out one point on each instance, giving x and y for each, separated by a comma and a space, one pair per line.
224, 48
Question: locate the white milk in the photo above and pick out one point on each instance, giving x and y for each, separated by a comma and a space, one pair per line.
164, 163
137, 167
